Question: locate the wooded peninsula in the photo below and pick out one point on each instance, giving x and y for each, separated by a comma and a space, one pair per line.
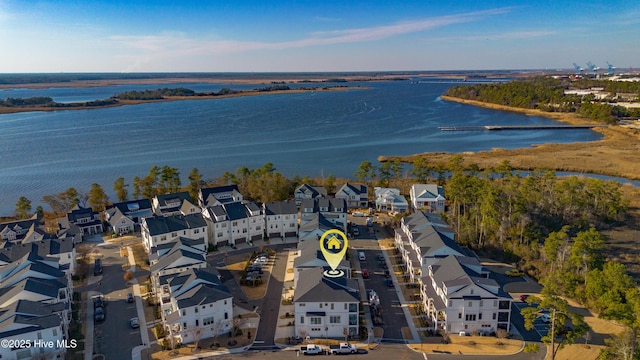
43, 103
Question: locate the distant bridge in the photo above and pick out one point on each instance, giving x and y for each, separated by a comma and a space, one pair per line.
516, 127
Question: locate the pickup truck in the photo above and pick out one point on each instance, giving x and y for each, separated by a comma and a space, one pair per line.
343, 348
311, 349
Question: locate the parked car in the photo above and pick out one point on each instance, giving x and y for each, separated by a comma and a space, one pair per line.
524, 297
98, 302
129, 297
134, 323
311, 349
97, 267
389, 282
343, 348
380, 257
387, 273
365, 273
356, 232
514, 273
545, 317
98, 314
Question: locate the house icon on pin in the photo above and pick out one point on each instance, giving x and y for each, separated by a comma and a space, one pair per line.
333, 243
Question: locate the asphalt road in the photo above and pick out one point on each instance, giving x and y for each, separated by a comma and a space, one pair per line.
114, 337
392, 314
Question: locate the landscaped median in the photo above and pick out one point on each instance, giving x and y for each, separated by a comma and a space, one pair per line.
471, 345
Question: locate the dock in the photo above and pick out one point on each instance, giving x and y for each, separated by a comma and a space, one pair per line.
516, 127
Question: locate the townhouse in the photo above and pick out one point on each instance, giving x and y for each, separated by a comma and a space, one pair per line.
309, 256
233, 223
219, 195
332, 210
280, 219
326, 307
195, 305
15, 231
159, 229
456, 292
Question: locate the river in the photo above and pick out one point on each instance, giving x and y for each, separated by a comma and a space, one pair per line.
315, 133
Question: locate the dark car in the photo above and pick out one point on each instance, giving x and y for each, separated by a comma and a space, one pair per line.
389, 283
98, 302
524, 297
98, 314
97, 267
387, 273
129, 297
380, 257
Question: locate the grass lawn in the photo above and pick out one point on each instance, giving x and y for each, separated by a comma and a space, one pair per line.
470, 345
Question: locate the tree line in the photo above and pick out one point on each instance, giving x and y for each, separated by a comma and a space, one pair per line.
547, 94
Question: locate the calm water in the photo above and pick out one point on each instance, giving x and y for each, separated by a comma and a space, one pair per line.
302, 134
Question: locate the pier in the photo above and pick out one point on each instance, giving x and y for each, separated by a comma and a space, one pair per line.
516, 127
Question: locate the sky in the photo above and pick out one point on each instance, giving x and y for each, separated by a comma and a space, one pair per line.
301, 36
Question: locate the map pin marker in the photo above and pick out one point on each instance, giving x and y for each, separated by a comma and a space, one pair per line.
333, 245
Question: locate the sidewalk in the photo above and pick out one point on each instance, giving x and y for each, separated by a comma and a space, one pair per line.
144, 331
88, 320
283, 330
403, 302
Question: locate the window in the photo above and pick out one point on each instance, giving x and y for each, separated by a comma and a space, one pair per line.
197, 322
207, 321
481, 303
504, 305
301, 319
471, 291
353, 307
495, 303
184, 326
55, 332
480, 316
345, 306
184, 312
235, 223
494, 316
303, 304
196, 231
174, 234
459, 315
196, 309
320, 305
331, 306
315, 321
226, 316
353, 319
219, 234
470, 317
334, 320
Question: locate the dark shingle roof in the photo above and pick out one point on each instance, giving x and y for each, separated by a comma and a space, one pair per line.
163, 225
314, 287
280, 208
202, 294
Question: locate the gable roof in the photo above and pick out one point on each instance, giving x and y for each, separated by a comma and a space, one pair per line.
314, 287
158, 225
428, 191
40, 249
311, 191
349, 188
127, 207
280, 208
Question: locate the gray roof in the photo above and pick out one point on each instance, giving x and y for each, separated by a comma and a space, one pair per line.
357, 189
164, 199
162, 225
428, 191
202, 294
311, 191
168, 260
13, 252
280, 208
312, 256
126, 207
314, 287
46, 287
236, 211
27, 324
332, 204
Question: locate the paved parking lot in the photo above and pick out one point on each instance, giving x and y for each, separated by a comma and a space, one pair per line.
540, 329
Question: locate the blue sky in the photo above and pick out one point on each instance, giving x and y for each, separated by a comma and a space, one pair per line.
266, 36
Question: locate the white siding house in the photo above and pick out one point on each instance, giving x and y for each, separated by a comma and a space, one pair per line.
160, 230
427, 197
280, 219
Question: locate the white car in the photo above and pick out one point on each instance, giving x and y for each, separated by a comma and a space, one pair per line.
134, 323
545, 317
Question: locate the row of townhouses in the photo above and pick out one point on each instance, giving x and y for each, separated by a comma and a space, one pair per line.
324, 307
193, 302
35, 294
456, 292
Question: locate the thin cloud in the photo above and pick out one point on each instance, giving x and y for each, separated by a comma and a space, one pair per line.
154, 43
511, 35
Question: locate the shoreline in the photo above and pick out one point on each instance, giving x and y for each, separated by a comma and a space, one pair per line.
14, 110
616, 154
